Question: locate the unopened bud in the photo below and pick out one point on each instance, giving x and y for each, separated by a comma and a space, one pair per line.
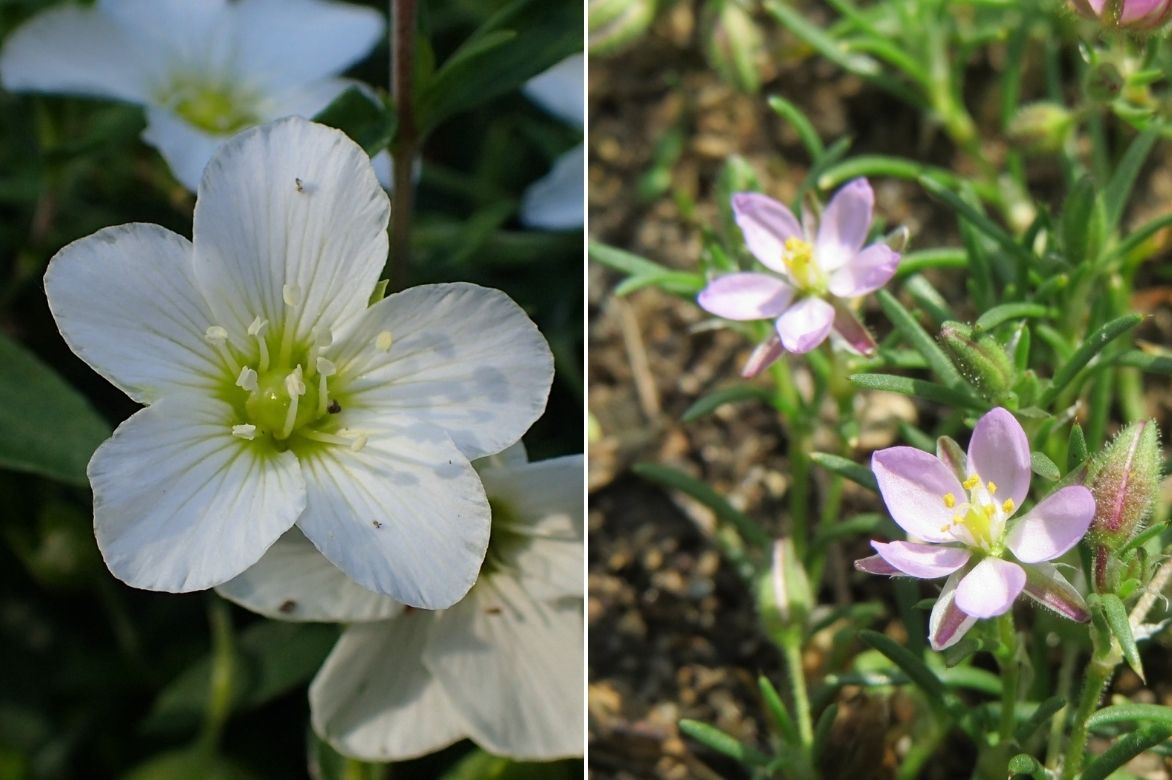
1125, 14
614, 24
981, 359
1103, 82
783, 595
1125, 479
1043, 127
735, 45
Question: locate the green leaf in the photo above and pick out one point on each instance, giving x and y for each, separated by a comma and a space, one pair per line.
844, 467
272, 658
918, 339
1153, 364
979, 221
1124, 749
674, 478
197, 762
709, 403
783, 723
1040, 716
929, 391
1025, 765
822, 728
1120, 625
362, 117
1076, 448
1131, 713
1091, 346
1008, 312
721, 742
1118, 190
916, 670
804, 127
480, 765
642, 268
1045, 468
48, 427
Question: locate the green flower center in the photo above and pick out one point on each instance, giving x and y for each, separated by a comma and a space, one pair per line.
503, 540
218, 108
982, 518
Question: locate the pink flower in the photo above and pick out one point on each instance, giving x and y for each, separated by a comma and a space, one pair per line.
1133, 14
812, 269
965, 530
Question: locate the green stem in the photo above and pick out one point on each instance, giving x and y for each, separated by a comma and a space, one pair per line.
789, 403
1010, 670
1098, 674
791, 647
1064, 684
406, 138
223, 672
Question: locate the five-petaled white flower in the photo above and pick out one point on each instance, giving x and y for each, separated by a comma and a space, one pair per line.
554, 202
503, 667
277, 396
204, 69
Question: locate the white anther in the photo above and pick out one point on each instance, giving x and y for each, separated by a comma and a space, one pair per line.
358, 442
323, 337
247, 379
257, 327
384, 340
244, 431
325, 367
216, 334
294, 384
291, 294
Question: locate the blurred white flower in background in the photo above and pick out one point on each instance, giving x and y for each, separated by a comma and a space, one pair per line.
278, 395
503, 667
555, 201
204, 69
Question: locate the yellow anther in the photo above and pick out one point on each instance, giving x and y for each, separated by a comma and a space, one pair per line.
992, 486
949, 500
957, 520
1008, 506
989, 510
944, 528
972, 482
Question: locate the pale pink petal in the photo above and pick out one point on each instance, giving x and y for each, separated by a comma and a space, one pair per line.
764, 354
1045, 585
746, 296
805, 325
1053, 526
990, 588
865, 272
876, 565
948, 624
925, 561
913, 484
766, 224
844, 225
1000, 453
853, 332
1135, 10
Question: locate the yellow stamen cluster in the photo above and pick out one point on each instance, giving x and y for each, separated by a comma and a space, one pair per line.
981, 520
798, 258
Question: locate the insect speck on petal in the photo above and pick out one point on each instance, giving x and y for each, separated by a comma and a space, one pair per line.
300, 187
287, 606
376, 523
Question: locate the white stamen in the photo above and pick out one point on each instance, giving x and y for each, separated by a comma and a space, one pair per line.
247, 379
325, 369
257, 329
291, 294
358, 442
295, 388
384, 340
244, 431
216, 334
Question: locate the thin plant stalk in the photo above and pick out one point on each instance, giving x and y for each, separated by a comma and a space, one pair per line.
1098, 674
406, 138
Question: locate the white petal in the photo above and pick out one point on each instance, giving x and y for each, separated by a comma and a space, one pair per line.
185, 147
180, 504
513, 455
126, 302
309, 100
464, 358
79, 51
513, 667
555, 201
405, 516
373, 699
293, 581
560, 90
190, 37
543, 502
287, 42
289, 204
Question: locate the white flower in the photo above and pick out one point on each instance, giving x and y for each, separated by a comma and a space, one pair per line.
204, 69
276, 396
503, 667
555, 201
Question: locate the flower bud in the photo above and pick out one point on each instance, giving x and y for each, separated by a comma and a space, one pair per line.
616, 23
734, 45
1043, 127
783, 594
980, 358
1103, 82
1125, 14
1125, 479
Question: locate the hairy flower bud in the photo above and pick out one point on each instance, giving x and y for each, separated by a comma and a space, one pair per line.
1041, 126
981, 359
783, 594
1125, 14
616, 23
735, 45
1125, 480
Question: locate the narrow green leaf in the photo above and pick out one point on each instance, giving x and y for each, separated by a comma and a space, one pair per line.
1152, 364
782, 721
929, 391
1076, 448
730, 395
674, 478
860, 475
1045, 468
48, 427
1008, 312
859, 525
723, 743
1120, 625
981, 222
1118, 190
916, 670
1040, 716
1131, 713
1025, 765
1093, 345
918, 339
1083, 222
624, 261
822, 728
923, 259
804, 127
675, 282
1124, 749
